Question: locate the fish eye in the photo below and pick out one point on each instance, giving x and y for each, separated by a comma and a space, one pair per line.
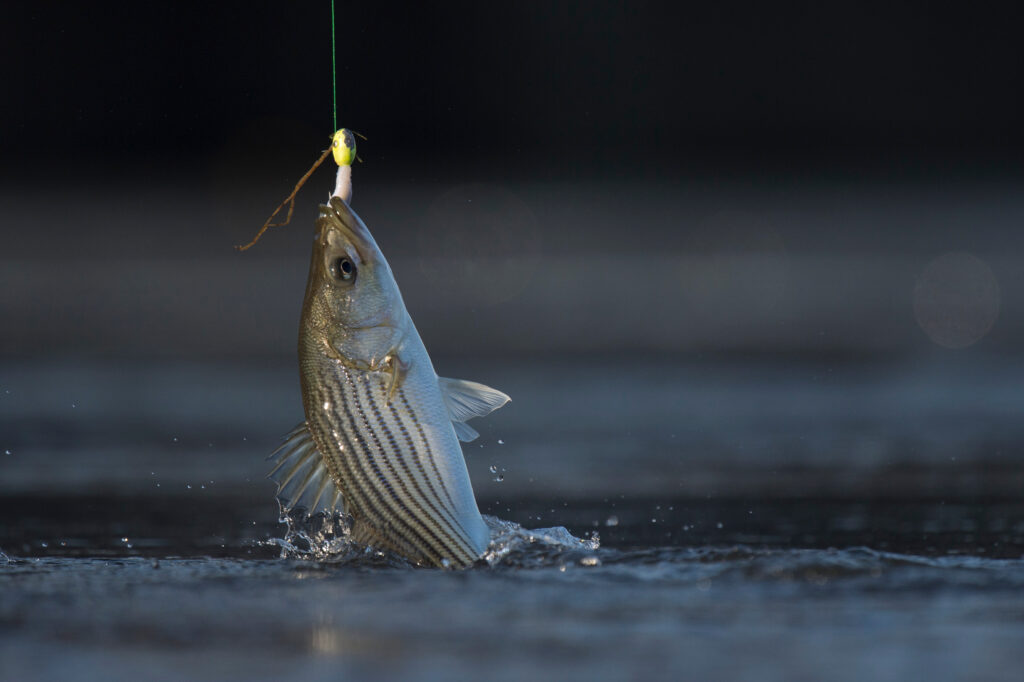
343, 269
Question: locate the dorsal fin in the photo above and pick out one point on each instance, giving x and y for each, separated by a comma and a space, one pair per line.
468, 399
301, 477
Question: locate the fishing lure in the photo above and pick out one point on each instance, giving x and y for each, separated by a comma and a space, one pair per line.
343, 148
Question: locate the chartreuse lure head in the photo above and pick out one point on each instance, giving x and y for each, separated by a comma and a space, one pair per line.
343, 147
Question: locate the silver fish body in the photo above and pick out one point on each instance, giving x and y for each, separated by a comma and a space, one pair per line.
382, 430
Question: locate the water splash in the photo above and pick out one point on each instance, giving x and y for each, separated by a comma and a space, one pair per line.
515, 546
326, 537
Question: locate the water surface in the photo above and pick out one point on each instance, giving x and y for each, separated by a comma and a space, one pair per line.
765, 521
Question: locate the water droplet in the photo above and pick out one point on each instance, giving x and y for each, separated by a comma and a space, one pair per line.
501, 442
7, 452
562, 568
446, 562
189, 486
590, 561
494, 469
719, 525
175, 439
612, 521
44, 544
499, 478
73, 406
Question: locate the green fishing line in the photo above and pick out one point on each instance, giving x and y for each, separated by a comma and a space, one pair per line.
334, 72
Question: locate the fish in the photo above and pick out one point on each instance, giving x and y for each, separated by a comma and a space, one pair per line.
380, 441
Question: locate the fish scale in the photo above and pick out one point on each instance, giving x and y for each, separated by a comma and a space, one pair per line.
391, 463
374, 471
412, 461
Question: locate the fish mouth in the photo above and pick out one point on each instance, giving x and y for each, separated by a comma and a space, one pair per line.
338, 216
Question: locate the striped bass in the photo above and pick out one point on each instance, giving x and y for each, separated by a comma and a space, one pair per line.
381, 437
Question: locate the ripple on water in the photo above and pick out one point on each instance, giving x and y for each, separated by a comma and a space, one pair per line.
325, 539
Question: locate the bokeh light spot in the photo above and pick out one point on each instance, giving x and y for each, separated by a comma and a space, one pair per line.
956, 300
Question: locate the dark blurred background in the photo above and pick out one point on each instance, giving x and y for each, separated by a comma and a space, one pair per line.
545, 176
560, 188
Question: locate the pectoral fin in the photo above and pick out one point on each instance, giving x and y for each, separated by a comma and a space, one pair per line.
393, 363
301, 476
465, 432
468, 399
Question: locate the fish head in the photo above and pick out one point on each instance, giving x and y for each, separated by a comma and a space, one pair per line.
351, 295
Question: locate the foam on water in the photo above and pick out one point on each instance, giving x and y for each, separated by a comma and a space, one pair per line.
515, 546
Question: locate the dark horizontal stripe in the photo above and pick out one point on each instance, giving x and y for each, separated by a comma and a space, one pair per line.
443, 518
419, 534
429, 455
